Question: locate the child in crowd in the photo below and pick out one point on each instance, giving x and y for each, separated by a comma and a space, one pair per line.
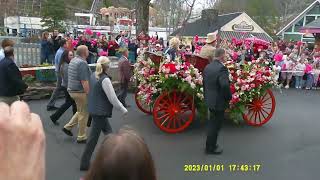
300, 67
316, 73
286, 75
308, 74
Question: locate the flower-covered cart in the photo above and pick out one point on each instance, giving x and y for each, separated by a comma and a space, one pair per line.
173, 91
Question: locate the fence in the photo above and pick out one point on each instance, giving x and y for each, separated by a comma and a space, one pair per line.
27, 53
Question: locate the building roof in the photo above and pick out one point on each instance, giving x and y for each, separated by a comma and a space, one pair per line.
240, 35
298, 17
313, 27
202, 27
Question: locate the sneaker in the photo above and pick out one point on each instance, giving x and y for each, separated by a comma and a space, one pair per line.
51, 108
216, 151
84, 141
297, 87
307, 88
287, 87
300, 87
67, 132
54, 120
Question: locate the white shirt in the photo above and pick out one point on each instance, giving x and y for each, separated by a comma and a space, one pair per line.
1, 54
112, 97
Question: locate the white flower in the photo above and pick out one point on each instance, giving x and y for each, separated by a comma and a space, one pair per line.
193, 85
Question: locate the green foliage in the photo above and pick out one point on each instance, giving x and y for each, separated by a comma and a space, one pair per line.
264, 13
53, 14
107, 3
28, 79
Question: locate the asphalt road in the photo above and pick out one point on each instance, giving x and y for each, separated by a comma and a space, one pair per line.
288, 147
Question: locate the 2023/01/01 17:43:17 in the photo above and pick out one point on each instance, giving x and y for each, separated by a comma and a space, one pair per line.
244, 167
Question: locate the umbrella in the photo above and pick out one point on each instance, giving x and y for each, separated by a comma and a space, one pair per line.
257, 41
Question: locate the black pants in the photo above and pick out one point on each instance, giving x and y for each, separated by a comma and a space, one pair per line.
69, 102
99, 123
214, 126
123, 92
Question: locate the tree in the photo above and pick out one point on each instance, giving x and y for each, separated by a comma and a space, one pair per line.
142, 16
190, 6
266, 19
53, 14
107, 3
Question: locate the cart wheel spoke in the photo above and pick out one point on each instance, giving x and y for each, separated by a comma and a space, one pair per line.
163, 116
260, 113
175, 114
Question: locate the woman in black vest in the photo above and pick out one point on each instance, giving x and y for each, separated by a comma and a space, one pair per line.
102, 98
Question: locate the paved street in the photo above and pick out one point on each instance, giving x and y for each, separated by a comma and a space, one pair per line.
288, 147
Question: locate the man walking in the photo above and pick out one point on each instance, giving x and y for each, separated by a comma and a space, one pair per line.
11, 84
125, 76
78, 87
57, 90
217, 95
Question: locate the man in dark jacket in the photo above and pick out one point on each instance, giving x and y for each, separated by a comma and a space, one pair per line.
11, 84
217, 95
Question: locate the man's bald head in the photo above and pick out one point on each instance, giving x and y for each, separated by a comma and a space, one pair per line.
83, 51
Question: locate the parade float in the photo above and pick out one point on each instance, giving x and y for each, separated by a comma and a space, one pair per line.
172, 91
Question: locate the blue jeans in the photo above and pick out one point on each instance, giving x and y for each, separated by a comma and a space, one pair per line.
299, 81
309, 80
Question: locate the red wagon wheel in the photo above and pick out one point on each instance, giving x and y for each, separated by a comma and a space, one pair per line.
142, 105
260, 110
173, 112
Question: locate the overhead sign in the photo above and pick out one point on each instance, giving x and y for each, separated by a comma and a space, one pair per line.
243, 26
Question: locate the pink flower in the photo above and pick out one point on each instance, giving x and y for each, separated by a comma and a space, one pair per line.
98, 34
88, 31
103, 53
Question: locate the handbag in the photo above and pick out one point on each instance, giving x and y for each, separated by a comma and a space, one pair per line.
305, 76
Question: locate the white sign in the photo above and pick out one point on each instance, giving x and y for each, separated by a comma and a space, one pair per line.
243, 26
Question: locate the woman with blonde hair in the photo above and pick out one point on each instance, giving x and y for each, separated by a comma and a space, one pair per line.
102, 99
171, 52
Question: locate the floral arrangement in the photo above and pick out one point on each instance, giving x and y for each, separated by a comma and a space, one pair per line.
146, 73
166, 76
248, 80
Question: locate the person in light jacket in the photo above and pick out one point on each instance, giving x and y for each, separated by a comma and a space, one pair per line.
102, 99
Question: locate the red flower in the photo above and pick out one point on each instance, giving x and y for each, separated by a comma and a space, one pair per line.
232, 88
172, 68
267, 74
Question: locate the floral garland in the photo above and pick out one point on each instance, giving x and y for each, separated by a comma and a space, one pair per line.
145, 72
248, 81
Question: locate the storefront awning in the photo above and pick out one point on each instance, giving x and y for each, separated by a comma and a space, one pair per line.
243, 35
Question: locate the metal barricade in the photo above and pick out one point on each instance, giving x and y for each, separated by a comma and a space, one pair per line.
27, 53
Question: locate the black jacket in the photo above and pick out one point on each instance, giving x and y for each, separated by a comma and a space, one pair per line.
11, 83
216, 84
